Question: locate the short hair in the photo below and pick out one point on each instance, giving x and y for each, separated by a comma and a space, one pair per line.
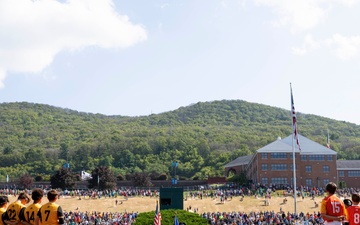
355, 197
37, 194
331, 187
23, 195
52, 194
3, 200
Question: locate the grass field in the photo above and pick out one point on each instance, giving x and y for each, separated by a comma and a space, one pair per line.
145, 204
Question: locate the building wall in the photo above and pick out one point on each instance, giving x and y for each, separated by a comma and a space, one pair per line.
280, 169
350, 181
237, 169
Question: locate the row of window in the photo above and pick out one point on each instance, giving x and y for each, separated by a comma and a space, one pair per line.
283, 155
351, 173
284, 167
284, 180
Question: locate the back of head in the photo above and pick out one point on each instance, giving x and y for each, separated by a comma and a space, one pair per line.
355, 197
37, 194
331, 187
52, 194
23, 196
3, 200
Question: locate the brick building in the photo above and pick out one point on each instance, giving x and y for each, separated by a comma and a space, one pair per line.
316, 165
349, 172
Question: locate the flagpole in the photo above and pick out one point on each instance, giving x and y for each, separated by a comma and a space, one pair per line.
293, 146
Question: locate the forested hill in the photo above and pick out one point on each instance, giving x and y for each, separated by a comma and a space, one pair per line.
203, 137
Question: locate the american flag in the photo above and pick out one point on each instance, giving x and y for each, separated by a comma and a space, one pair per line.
328, 141
157, 218
176, 221
293, 114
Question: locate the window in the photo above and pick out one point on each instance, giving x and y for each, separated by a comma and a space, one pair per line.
308, 182
278, 155
303, 157
354, 173
308, 169
279, 180
316, 157
326, 169
264, 155
341, 173
330, 157
264, 166
279, 167
326, 181
264, 180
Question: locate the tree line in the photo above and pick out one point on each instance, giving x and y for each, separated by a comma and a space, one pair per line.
39, 139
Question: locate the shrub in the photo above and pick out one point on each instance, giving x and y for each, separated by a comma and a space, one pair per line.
38, 178
167, 217
120, 177
163, 176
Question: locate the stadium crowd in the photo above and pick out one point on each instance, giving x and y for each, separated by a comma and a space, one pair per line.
215, 218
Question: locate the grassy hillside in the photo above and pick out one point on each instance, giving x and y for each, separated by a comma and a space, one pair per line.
202, 137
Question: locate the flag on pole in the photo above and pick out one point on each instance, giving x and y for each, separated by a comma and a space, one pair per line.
85, 175
293, 114
157, 218
176, 221
328, 141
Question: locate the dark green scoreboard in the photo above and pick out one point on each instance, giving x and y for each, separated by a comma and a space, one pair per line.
172, 198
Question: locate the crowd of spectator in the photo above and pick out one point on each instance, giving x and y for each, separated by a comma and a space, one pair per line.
223, 193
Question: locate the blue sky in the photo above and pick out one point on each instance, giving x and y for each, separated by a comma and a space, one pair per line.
141, 57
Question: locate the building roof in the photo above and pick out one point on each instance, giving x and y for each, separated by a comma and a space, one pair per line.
242, 160
308, 147
348, 164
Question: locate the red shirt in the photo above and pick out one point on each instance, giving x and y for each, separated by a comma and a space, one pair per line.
354, 214
332, 206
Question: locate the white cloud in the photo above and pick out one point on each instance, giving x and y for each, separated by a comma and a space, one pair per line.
165, 5
345, 48
32, 32
298, 15
309, 43
303, 14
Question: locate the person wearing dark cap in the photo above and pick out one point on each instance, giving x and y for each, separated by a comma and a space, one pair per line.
50, 213
32, 210
4, 200
347, 203
15, 212
354, 210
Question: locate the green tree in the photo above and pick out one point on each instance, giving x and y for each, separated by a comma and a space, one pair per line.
26, 181
63, 179
64, 151
141, 179
239, 179
102, 178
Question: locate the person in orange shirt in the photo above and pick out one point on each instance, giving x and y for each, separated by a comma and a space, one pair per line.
332, 209
354, 210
